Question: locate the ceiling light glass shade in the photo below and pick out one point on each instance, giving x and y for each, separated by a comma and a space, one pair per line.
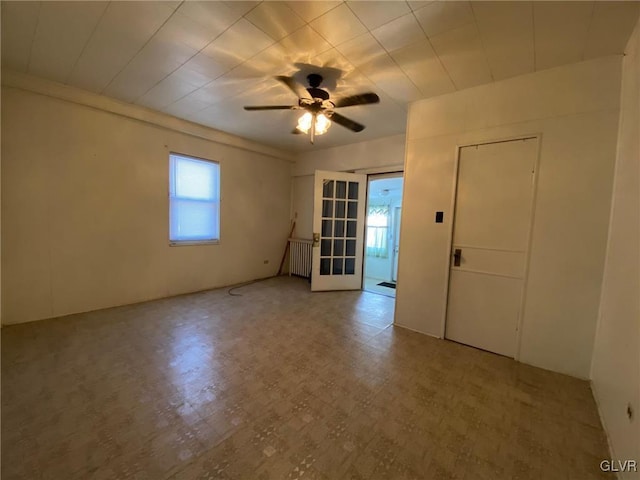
304, 122
322, 123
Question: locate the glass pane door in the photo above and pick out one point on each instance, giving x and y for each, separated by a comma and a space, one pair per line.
338, 231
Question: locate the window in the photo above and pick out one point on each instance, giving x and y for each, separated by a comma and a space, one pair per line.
378, 231
194, 200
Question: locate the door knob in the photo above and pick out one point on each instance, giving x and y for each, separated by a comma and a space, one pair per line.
457, 256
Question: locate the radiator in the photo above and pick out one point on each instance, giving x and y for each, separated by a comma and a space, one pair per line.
300, 257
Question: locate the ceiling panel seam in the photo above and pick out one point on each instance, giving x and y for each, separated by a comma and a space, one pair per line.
84, 47
33, 38
141, 48
484, 50
586, 42
435, 51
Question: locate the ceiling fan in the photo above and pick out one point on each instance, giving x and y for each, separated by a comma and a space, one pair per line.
320, 111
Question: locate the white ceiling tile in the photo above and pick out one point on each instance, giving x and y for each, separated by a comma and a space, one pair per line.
182, 29
399, 33
185, 107
63, 29
560, 32
200, 70
222, 89
275, 18
241, 41
362, 49
147, 68
398, 86
304, 44
386, 75
462, 55
312, 9
165, 93
246, 71
439, 17
611, 26
134, 82
123, 30
423, 67
338, 25
376, 13
333, 59
241, 7
352, 83
506, 30
418, 4
214, 16
275, 60
161, 51
19, 20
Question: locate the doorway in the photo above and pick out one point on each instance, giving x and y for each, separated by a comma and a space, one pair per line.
382, 233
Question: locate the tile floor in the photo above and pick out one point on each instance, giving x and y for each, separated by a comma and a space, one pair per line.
371, 285
279, 383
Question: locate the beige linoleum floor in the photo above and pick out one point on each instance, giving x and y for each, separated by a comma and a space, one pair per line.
371, 285
279, 383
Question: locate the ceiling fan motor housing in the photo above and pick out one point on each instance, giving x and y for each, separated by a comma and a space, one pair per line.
314, 83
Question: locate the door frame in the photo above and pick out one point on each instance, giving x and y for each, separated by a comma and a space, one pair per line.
397, 218
373, 175
532, 208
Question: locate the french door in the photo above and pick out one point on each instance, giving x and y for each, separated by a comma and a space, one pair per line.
338, 226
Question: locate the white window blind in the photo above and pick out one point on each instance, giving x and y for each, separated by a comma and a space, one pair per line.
194, 200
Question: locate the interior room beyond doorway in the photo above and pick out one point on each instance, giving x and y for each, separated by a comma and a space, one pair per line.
382, 236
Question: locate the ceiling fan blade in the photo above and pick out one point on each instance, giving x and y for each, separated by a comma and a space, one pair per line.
294, 86
361, 99
295, 131
272, 107
346, 122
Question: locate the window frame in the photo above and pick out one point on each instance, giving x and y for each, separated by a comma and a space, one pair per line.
187, 243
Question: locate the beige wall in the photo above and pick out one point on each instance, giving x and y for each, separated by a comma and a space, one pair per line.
575, 109
384, 154
616, 357
85, 209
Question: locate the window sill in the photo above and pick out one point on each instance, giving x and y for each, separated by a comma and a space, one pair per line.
189, 243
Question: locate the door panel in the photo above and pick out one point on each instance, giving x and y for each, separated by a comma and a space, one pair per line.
491, 231
338, 226
483, 310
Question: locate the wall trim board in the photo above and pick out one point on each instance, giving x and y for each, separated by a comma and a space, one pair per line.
88, 99
381, 170
383, 152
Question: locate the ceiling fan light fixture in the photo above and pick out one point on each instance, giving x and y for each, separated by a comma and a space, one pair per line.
304, 122
322, 123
